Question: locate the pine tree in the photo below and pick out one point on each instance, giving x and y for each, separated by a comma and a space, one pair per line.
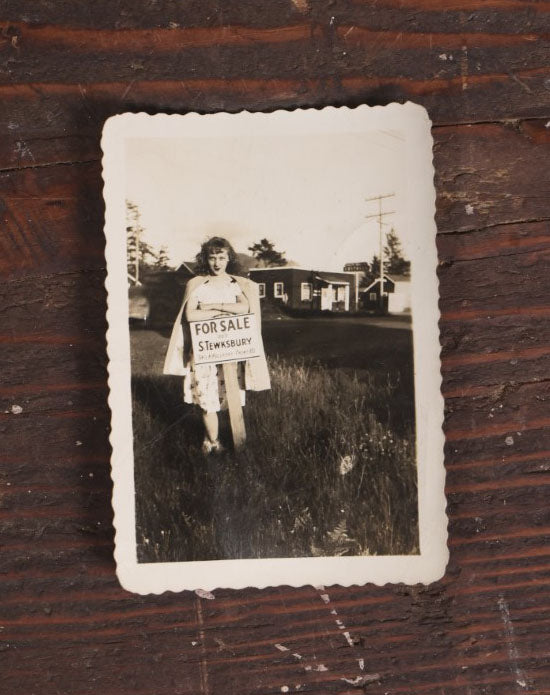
146, 251
266, 255
140, 256
375, 266
133, 242
373, 272
394, 261
162, 259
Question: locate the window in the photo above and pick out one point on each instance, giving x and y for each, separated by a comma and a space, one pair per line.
306, 292
342, 293
278, 289
372, 296
261, 288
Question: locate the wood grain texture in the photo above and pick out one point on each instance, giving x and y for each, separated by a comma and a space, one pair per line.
483, 73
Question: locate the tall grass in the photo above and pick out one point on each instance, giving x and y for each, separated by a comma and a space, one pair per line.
327, 470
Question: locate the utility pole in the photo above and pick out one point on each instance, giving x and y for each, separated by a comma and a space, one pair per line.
380, 215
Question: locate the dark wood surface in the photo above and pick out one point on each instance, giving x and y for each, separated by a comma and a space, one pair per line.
482, 69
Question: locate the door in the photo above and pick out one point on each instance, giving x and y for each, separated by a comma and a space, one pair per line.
326, 298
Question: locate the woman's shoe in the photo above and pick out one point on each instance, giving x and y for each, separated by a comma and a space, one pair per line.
207, 447
217, 447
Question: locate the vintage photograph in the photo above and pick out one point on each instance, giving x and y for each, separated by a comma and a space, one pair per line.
275, 269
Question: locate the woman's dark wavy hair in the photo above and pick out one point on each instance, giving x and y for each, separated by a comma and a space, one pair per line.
214, 245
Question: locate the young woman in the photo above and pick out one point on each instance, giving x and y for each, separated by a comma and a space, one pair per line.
214, 292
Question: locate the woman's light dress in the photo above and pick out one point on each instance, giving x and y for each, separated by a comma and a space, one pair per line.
205, 385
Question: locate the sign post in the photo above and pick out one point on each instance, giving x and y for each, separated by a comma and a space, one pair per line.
225, 341
236, 418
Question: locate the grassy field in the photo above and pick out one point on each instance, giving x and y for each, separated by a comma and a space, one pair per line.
329, 466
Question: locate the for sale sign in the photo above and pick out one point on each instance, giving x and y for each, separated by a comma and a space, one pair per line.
227, 339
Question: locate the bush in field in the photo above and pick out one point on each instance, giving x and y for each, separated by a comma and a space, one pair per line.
324, 471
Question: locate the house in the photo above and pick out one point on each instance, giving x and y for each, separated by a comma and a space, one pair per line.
186, 269
400, 300
396, 295
306, 289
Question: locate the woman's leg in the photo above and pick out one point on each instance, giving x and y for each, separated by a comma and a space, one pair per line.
211, 425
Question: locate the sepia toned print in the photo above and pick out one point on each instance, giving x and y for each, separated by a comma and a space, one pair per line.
274, 362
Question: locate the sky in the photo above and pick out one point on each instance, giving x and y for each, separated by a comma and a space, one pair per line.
307, 194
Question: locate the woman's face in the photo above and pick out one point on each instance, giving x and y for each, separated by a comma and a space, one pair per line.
217, 261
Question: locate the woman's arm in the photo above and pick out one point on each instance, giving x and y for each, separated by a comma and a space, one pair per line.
195, 311
198, 311
239, 306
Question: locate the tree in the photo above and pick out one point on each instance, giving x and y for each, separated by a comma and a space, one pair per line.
133, 235
372, 273
394, 261
140, 256
266, 255
162, 259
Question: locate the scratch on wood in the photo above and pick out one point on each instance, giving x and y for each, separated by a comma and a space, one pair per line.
361, 681
464, 68
23, 150
222, 646
326, 600
513, 654
127, 90
205, 690
300, 658
281, 647
301, 5
202, 593
521, 83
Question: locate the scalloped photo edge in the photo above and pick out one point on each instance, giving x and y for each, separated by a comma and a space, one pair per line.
302, 179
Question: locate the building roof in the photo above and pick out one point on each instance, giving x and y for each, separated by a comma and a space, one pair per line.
391, 278
321, 273
333, 278
278, 267
376, 282
187, 266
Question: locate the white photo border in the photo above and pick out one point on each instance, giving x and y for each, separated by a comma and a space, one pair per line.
429, 565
